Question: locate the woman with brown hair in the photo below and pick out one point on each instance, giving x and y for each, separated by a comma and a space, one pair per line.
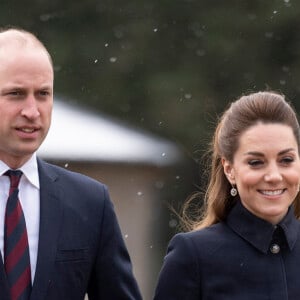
246, 245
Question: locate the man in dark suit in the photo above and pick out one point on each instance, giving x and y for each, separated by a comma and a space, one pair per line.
73, 241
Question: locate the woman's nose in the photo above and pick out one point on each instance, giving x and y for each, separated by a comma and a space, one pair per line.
273, 174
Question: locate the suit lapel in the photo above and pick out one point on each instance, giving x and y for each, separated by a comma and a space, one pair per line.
50, 221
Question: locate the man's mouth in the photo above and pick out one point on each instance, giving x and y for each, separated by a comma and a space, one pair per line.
27, 130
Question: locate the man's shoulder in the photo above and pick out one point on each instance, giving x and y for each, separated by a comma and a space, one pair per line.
76, 190
62, 174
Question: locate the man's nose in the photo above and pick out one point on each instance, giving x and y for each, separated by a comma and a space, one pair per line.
30, 108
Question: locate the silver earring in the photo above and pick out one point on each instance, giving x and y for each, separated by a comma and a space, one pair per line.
233, 191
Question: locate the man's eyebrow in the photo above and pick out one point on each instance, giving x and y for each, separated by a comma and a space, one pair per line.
46, 86
11, 88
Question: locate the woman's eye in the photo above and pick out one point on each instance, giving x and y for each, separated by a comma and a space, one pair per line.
255, 162
287, 160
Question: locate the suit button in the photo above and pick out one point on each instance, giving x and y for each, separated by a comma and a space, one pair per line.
275, 248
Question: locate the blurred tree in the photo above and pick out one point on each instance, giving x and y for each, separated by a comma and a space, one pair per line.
167, 66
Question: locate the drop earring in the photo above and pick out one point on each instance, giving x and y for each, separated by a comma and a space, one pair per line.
233, 191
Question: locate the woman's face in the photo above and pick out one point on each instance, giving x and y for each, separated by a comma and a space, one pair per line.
266, 170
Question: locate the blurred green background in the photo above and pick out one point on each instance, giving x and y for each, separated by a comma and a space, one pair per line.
167, 66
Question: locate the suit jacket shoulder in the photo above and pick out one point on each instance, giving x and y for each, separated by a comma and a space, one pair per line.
81, 249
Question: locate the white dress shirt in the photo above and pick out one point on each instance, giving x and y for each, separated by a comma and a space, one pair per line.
29, 195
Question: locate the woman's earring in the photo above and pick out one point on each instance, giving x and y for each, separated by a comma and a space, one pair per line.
233, 191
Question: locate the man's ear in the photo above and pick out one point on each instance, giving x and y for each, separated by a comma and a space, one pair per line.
228, 170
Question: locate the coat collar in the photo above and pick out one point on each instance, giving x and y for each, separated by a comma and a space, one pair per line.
259, 232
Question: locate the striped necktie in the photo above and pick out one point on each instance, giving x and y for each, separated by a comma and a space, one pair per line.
16, 250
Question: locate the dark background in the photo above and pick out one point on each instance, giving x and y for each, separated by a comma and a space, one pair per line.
167, 66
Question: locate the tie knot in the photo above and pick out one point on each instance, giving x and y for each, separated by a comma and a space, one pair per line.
14, 176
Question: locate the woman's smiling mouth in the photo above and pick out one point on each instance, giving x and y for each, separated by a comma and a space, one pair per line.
272, 192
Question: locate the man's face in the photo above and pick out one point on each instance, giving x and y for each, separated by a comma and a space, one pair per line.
26, 99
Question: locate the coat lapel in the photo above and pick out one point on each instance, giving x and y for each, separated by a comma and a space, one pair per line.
50, 222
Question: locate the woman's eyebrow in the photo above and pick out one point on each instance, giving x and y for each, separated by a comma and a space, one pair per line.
256, 153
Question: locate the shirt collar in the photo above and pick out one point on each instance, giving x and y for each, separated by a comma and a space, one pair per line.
259, 232
29, 169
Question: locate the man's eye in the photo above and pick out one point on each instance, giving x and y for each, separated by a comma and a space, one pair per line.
44, 93
15, 93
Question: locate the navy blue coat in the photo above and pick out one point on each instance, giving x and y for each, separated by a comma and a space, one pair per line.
80, 244
244, 258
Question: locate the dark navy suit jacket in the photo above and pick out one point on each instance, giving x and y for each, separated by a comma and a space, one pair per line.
234, 260
81, 249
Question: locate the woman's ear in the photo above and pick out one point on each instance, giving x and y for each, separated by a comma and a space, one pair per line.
228, 170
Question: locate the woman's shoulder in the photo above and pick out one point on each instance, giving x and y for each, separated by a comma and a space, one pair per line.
206, 239
217, 230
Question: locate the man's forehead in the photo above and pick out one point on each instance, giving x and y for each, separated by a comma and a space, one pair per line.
14, 43
15, 39
12, 35
11, 52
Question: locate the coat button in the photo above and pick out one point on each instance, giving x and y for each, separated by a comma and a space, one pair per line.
275, 248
